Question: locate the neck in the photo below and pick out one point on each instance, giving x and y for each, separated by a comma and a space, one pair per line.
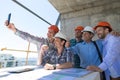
106, 35
60, 49
87, 41
78, 39
51, 40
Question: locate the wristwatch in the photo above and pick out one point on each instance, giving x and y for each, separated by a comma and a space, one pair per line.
54, 66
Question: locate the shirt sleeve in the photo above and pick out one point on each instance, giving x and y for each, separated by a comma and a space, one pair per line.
29, 37
112, 52
46, 58
70, 56
74, 49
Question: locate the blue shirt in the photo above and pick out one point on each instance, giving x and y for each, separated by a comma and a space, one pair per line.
111, 55
73, 42
88, 53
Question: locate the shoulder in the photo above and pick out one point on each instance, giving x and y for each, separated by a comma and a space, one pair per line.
112, 38
98, 41
112, 41
72, 40
78, 45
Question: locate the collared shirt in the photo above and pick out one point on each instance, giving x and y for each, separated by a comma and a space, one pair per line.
38, 41
52, 57
88, 53
73, 42
111, 54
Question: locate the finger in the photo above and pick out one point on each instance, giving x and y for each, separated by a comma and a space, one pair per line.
6, 23
88, 67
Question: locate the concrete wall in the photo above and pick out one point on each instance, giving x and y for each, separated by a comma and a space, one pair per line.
91, 16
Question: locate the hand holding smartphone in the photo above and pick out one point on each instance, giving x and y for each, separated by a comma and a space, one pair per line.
9, 17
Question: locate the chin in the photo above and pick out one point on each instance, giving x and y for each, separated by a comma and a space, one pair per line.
99, 36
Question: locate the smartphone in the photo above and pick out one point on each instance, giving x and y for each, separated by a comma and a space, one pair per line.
9, 16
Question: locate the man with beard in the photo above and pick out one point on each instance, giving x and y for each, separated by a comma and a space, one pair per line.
111, 51
38, 41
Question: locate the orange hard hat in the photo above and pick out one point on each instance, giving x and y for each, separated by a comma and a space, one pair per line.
54, 28
103, 24
79, 28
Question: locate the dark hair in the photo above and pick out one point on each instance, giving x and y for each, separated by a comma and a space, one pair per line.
63, 40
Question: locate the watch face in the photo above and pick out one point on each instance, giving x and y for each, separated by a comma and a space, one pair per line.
54, 67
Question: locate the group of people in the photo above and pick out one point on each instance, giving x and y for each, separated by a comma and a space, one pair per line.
56, 52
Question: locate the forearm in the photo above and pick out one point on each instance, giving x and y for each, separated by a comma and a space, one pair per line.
64, 65
39, 61
14, 30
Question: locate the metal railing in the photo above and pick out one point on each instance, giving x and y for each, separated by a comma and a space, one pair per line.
27, 51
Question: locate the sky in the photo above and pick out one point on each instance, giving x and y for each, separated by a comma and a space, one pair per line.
25, 21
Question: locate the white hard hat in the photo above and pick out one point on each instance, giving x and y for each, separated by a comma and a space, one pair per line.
88, 28
61, 35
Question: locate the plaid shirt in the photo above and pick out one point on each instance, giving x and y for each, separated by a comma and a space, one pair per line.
52, 57
38, 41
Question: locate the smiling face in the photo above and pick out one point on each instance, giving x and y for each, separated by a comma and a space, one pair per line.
58, 42
102, 32
50, 34
87, 36
78, 34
